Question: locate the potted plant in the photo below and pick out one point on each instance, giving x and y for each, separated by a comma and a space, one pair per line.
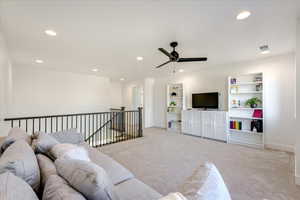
253, 102
173, 103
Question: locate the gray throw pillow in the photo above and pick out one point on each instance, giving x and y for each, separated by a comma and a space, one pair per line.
57, 188
47, 168
14, 135
43, 143
12, 188
20, 160
88, 178
116, 172
68, 136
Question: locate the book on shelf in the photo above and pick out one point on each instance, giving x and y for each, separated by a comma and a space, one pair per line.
237, 125
257, 113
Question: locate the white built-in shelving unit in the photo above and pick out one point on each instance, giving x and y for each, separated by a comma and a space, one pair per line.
175, 105
240, 89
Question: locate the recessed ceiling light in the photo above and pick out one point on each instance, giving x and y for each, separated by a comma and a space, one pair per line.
264, 49
139, 58
50, 32
181, 70
95, 70
243, 15
122, 79
39, 61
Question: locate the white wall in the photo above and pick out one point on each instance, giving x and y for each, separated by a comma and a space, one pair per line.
279, 88
38, 91
127, 92
149, 102
297, 128
147, 86
5, 83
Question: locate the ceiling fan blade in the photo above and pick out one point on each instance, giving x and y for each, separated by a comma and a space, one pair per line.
163, 64
191, 59
166, 53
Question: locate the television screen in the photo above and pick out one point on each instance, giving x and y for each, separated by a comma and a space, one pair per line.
206, 100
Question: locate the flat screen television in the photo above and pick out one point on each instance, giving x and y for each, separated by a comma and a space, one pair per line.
206, 100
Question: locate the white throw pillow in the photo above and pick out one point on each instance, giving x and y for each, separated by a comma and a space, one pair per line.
206, 183
174, 196
69, 151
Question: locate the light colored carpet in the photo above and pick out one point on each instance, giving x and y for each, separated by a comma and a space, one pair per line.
165, 160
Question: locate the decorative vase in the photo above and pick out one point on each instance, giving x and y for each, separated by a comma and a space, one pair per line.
253, 105
173, 94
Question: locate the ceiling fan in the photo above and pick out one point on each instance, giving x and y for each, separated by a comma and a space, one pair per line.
174, 56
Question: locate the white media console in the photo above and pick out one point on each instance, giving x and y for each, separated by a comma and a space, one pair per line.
205, 123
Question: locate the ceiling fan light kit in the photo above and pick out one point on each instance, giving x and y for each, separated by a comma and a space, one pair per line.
174, 56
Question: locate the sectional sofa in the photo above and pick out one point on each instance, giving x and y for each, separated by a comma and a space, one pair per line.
37, 167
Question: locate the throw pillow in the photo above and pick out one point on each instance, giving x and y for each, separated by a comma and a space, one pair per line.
43, 143
57, 188
47, 168
14, 135
68, 136
173, 196
20, 160
206, 183
69, 151
88, 178
12, 188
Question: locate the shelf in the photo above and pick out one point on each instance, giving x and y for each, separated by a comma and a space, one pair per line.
245, 131
246, 86
250, 118
247, 92
250, 144
175, 97
246, 108
247, 83
174, 113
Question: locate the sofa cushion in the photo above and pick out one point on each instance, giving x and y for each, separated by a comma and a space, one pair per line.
69, 151
47, 168
88, 178
43, 142
205, 183
20, 160
115, 171
135, 189
57, 188
13, 188
68, 136
14, 135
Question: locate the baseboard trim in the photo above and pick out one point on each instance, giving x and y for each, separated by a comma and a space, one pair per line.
280, 147
297, 180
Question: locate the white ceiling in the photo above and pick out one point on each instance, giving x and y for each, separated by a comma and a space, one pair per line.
109, 35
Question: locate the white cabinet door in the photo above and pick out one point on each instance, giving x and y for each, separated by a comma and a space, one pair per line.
187, 122
197, 123
221, 126
184, 124
208, 124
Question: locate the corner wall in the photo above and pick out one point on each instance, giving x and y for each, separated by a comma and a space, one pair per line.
297, 128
